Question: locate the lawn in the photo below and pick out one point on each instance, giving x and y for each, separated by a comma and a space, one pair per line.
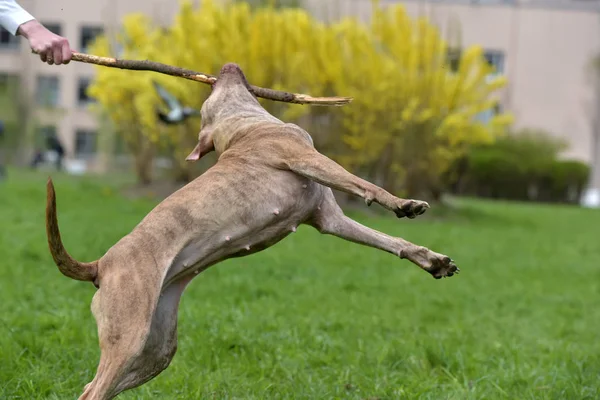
315, 317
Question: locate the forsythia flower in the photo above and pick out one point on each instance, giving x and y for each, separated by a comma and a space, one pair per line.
408, 104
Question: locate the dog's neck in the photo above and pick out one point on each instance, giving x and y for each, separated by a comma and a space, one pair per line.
232, 111
228, 130
235, 112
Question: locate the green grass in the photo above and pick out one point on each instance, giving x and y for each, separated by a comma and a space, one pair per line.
315, 317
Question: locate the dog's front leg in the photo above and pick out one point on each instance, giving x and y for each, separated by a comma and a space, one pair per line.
330, 219
319, 168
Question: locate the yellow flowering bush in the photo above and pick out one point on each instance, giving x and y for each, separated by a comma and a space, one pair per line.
411, 117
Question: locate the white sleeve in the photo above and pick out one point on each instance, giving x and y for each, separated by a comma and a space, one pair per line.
12, 15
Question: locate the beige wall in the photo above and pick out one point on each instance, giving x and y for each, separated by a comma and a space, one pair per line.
547, 53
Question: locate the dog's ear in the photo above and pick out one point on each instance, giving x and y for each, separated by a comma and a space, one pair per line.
205, 145
197, 153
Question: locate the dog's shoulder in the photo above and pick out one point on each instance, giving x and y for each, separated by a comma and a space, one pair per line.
268, 144
286, 133
301, 132
258, 134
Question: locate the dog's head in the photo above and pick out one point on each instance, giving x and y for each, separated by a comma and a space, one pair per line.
231, 96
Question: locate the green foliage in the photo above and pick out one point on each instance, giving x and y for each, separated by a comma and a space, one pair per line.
566, 180
525, 166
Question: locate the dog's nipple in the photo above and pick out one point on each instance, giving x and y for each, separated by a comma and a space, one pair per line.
248, 248
228, 238
276, 212
293, 229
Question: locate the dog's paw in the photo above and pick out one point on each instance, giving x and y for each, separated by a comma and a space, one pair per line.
411, 208
438, 265
442, 267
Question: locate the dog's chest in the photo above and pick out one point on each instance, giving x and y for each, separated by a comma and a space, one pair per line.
249, 215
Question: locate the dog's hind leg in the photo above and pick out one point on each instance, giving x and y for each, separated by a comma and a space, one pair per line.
330, 219
319, 168
137, 329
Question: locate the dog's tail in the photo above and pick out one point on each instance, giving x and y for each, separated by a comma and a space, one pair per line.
66, 264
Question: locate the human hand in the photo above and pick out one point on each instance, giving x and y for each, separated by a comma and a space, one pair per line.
52, 49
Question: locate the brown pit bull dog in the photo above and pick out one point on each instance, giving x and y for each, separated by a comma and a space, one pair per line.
268, 180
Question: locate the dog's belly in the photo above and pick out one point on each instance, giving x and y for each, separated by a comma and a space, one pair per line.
242, 212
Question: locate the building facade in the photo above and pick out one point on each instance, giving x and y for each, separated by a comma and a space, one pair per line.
57, 94
544, 47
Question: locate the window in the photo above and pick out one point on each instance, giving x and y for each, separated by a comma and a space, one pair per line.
55, 28
8, 41
486, 116
88, 34
495, 59
85, 143
453, 58
82, 98
47, 91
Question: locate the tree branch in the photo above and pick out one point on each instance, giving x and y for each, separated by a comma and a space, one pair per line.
146, 65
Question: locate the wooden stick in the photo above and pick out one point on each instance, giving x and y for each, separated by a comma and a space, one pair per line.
146, 65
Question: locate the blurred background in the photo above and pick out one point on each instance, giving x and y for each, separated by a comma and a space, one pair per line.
489, 98
488, 109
